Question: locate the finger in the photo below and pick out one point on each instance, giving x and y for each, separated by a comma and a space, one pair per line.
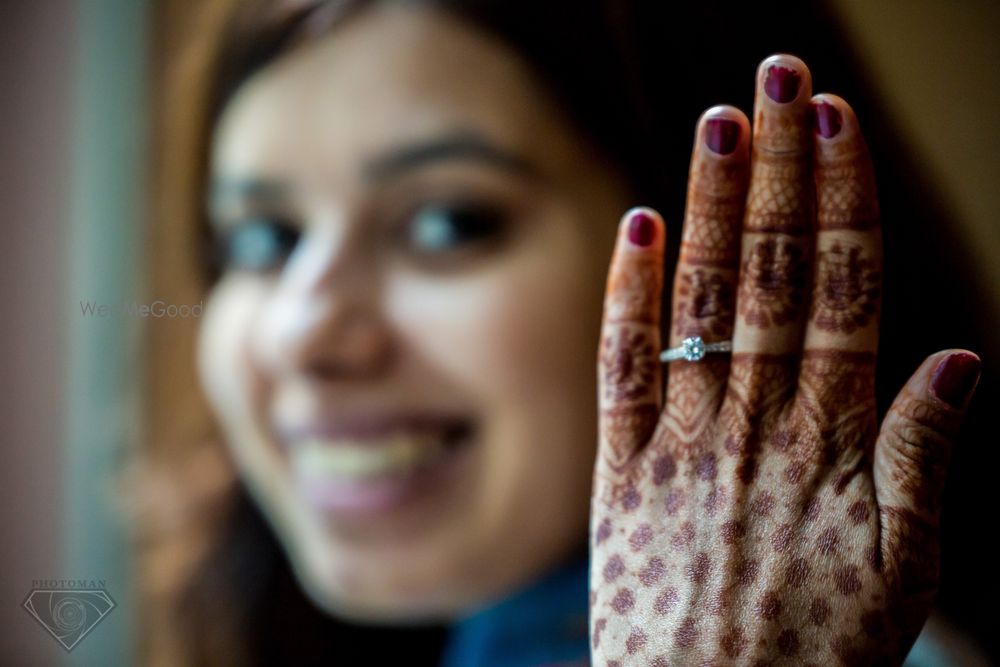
778, 225
837, 374
847, 278
776, 248
705, 280
911, 455
629, 374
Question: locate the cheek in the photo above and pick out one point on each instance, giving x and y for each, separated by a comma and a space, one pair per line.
519, 342
508, 334
222, 349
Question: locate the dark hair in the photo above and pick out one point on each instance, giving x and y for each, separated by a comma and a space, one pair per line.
634, 75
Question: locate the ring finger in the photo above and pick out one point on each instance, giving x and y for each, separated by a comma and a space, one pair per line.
705, 280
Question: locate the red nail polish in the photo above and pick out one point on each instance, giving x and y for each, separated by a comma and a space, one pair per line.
641, 229
722, 135
826, 119
955, 377
782, 83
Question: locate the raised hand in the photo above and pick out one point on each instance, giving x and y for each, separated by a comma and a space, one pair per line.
758, 514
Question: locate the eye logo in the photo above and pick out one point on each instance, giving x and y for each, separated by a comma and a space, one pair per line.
69, 613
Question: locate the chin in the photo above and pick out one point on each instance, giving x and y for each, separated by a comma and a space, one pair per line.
378, 592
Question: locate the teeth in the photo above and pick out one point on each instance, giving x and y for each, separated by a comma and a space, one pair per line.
397, 453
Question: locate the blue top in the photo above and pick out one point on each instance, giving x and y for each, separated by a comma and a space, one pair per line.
542, 624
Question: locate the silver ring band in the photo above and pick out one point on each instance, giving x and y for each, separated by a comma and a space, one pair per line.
695, 349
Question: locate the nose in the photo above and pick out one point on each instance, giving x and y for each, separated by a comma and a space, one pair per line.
323, 320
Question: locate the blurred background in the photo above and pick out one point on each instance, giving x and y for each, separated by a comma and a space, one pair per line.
80, 84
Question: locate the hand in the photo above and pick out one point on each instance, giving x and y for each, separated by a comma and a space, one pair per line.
760, 516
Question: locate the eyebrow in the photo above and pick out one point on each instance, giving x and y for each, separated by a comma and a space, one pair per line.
395, 162
258, 190
465, 146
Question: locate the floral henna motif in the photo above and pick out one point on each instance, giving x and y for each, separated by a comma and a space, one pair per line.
773, 282
629, 363
847, 288
704, 305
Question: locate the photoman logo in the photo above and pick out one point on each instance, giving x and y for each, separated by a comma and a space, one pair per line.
67, 608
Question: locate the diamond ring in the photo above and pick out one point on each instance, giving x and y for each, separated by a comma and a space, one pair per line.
695, 349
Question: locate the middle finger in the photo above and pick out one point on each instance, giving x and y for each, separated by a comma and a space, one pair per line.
778, 237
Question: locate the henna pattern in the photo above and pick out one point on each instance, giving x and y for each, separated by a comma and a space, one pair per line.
693, 395
746, 529
633, 295
723, 539
837, 393
621, 428
846, 198
773, 282
779, 200
629, 363
704, 305
921, 484
758, 385
716, 196
847, 288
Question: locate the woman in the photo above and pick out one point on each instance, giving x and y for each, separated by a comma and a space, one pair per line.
410, 204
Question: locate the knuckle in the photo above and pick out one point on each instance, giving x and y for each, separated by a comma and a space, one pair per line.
919, 421
914, 441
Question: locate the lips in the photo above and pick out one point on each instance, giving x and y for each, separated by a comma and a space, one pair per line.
372, 426
374, 463
396, 454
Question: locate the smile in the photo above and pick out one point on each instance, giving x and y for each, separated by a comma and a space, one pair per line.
377, 473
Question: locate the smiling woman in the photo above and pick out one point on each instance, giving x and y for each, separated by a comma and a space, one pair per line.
415, 386
408, 213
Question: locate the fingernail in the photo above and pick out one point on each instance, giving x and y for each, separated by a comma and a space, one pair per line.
826, 119
641, 229
955, 377
722, 135
782, 83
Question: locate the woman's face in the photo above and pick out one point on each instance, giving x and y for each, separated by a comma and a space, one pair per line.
402, 349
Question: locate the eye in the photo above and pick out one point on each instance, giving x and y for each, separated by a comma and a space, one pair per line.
258, 244
443, 227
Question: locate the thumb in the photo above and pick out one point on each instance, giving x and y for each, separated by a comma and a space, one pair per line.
911, 455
